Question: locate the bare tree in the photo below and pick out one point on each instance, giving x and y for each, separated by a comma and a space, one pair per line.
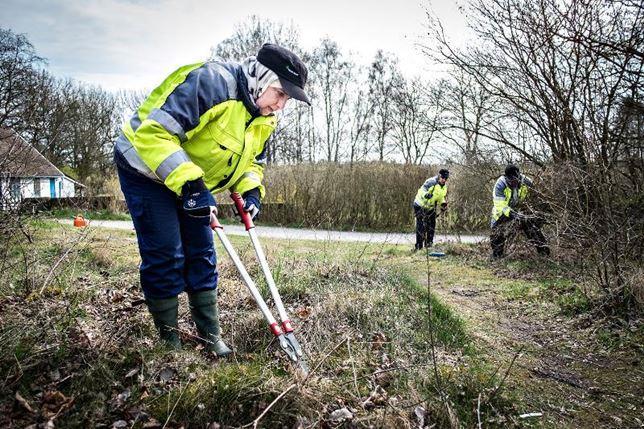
416, 119
72, 124
290, 141
540, 72
467, 112
20, 79
565, 83
384, 78
251, 34
333, 78
361, 120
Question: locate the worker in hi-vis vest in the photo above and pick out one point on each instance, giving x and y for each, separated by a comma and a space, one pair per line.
431, 195
203, 130
508, 195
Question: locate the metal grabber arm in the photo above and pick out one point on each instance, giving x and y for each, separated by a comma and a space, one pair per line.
261, 257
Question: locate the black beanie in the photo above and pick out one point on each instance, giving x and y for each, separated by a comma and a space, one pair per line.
512, 171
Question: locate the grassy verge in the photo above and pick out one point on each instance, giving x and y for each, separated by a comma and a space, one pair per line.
78, 348
70, 213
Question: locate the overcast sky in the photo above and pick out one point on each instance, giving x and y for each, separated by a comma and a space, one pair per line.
134, 44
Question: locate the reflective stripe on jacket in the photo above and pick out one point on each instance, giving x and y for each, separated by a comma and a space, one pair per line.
431, 194
200, 122
506, 198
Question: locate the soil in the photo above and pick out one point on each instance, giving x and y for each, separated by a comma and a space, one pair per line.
561, 371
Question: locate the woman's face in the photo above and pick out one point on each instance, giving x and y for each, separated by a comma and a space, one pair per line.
271, 101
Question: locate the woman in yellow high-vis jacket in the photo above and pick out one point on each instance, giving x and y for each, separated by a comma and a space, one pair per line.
203, 130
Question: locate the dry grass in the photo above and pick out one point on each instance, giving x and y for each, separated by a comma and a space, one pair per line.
373, 196
83, 352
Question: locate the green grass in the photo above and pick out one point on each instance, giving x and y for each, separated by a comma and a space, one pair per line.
360, 310
70, 213
569, 298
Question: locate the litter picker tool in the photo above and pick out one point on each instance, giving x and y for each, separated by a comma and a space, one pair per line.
283, 331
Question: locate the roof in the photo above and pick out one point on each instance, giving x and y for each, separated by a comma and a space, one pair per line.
20, 159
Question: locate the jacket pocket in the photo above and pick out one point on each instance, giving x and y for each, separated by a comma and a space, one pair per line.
225, 139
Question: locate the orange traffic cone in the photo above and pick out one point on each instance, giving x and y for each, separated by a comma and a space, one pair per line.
80, 221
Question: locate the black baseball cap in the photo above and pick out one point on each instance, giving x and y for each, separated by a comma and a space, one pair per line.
444, 173
288, 67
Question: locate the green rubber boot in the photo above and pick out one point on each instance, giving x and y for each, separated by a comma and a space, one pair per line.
205, 314
165, 312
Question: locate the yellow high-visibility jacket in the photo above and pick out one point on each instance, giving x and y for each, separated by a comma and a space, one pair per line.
506, 198
431, 194
200, 122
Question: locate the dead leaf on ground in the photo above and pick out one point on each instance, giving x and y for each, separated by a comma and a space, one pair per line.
378, 340
340, 415
303, 312
376, 398
120, 399
54, 403
384, 379
166, 374
152, 424
419, 416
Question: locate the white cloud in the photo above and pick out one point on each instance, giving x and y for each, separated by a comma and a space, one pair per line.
135, 44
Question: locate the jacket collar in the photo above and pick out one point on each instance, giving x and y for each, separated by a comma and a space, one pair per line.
243, 93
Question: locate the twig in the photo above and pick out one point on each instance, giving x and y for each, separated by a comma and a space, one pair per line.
22, 401
255, 422
25, 233
478, 412
324, 358
353, 367
175, 405
507, 372
51, 272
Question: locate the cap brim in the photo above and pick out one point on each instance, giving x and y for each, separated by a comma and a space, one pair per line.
294, 91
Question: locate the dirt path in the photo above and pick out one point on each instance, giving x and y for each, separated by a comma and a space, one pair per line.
561, 372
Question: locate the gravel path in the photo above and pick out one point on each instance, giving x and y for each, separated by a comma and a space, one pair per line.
313, 234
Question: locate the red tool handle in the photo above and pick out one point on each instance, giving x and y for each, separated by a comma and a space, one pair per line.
245, 216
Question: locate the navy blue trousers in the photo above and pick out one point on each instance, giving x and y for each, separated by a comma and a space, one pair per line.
177, 252
425, 227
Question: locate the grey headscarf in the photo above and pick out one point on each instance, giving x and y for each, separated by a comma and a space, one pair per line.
258, 76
